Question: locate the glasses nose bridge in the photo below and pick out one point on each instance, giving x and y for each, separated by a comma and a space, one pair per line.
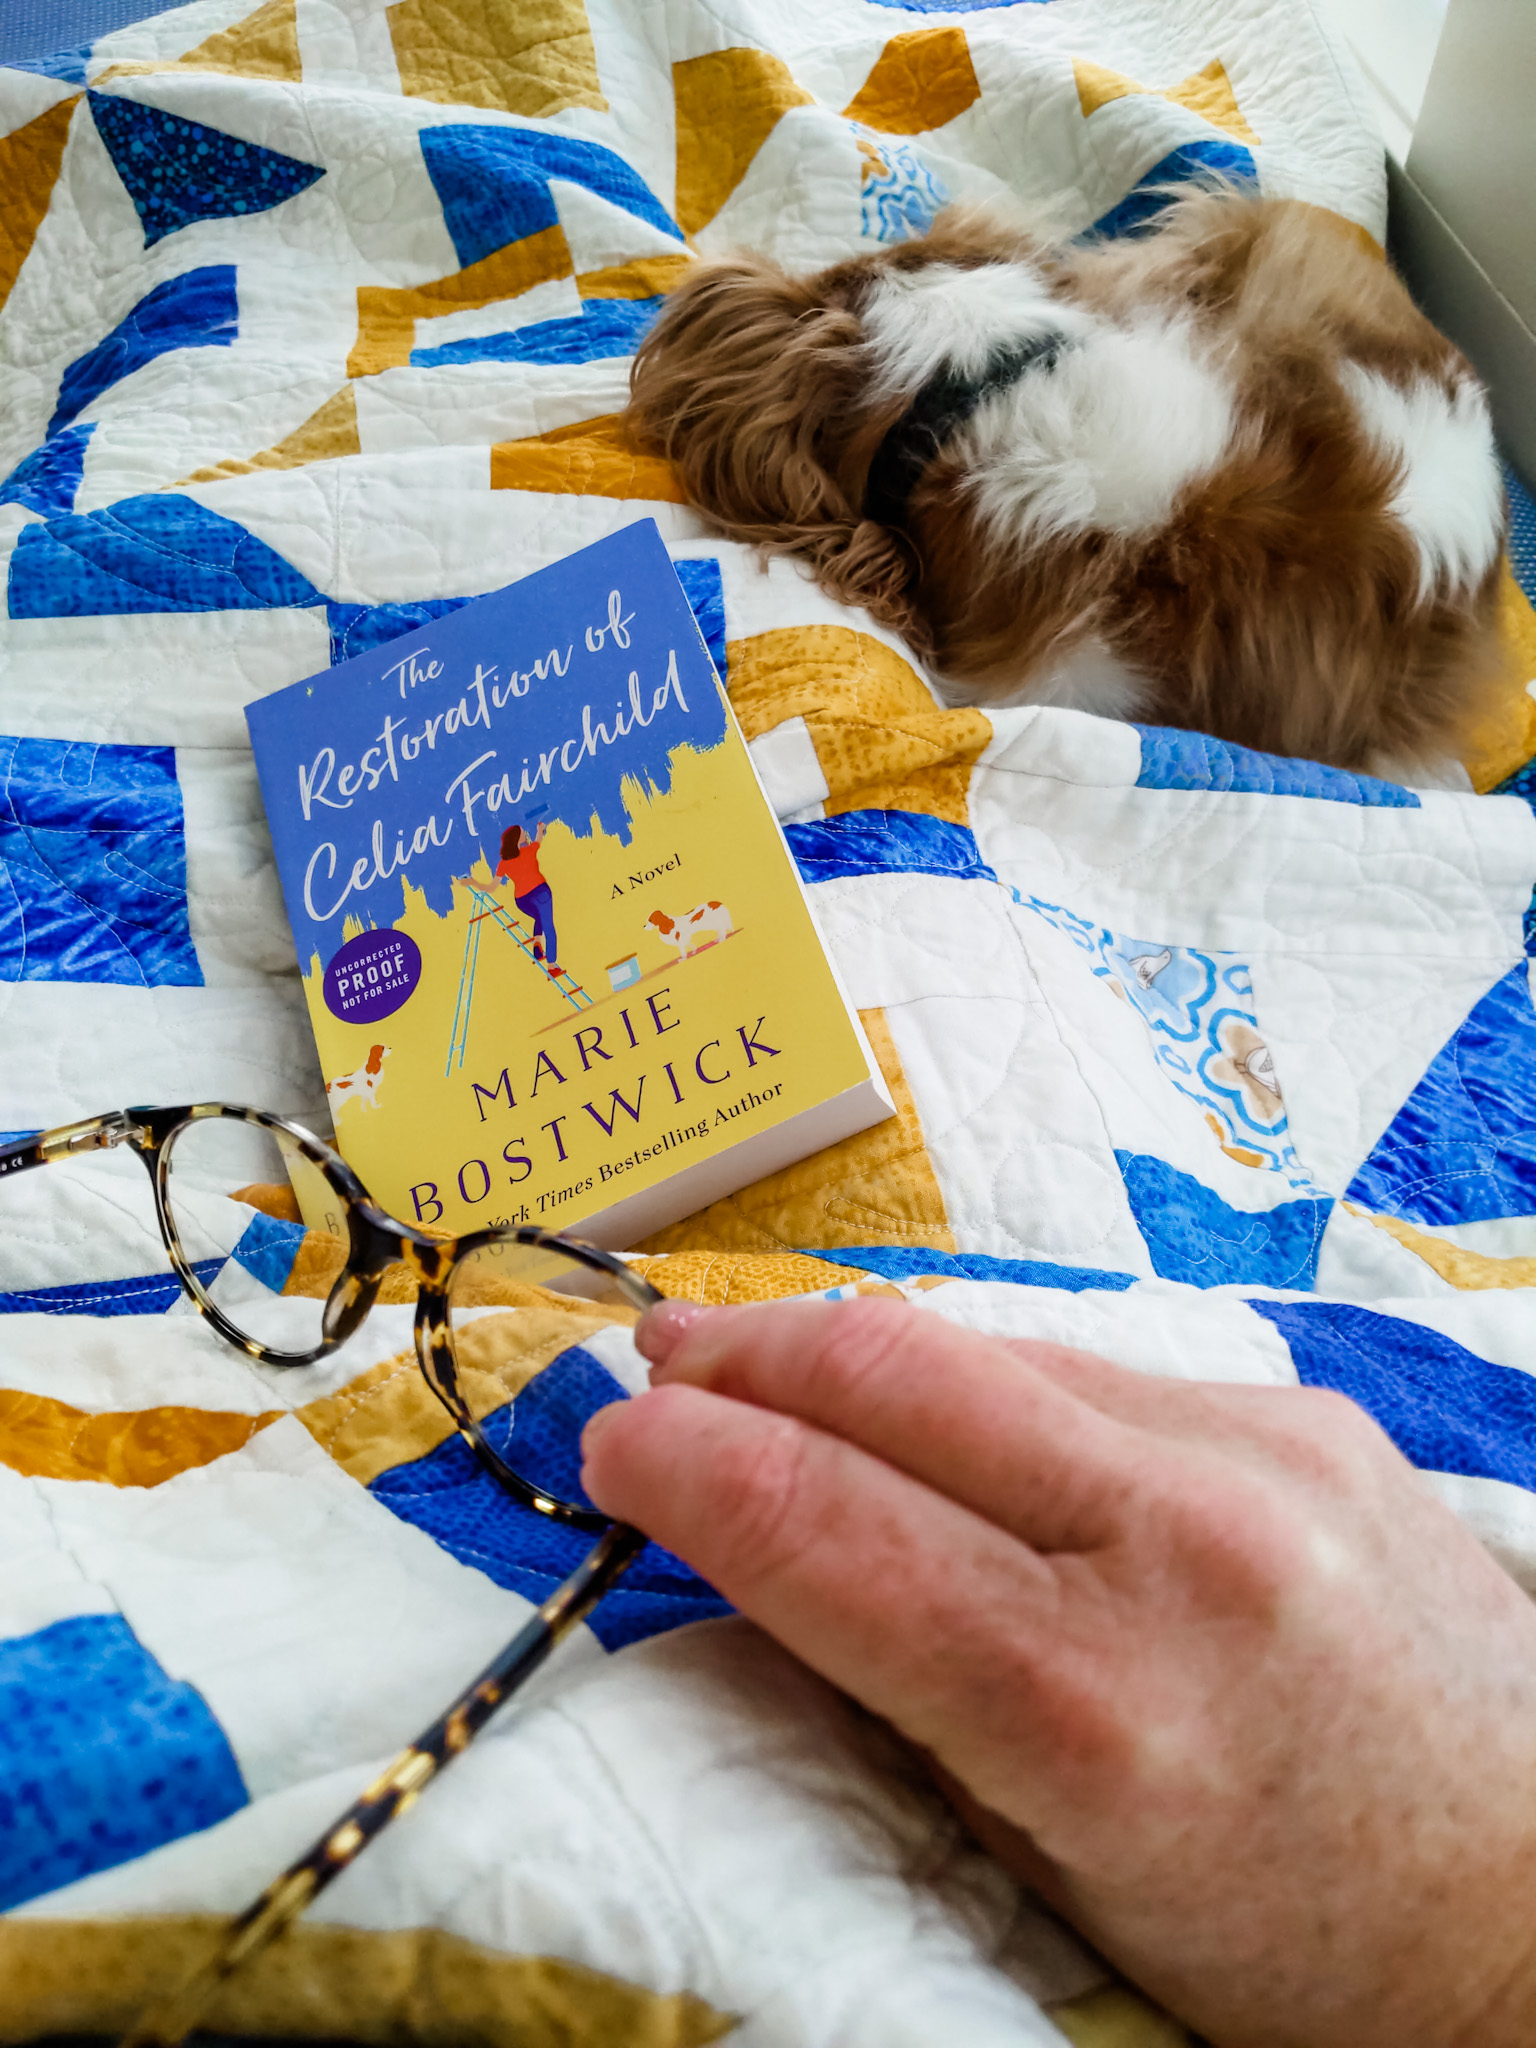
348, 1303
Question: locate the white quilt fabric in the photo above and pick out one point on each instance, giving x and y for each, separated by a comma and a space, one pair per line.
1222, 1066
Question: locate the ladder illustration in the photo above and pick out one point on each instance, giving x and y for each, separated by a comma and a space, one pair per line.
488, 907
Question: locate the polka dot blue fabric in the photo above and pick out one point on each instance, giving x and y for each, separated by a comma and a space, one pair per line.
176, 171
103, 1756
451, 1496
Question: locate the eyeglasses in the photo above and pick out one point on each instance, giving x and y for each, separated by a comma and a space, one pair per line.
224, 1182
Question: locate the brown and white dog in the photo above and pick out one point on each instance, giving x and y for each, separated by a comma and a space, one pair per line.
688, 934
1223, 475
363, 1084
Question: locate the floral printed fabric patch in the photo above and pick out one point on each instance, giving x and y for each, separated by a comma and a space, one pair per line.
1198, 1010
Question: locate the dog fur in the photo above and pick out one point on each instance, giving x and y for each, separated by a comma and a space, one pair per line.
1255, 493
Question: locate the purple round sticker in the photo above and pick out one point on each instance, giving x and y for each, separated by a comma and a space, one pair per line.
372, 976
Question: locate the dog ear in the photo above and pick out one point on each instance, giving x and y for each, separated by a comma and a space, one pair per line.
754, 386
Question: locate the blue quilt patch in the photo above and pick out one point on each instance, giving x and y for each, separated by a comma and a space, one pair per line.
900, 201
196, 310
604, 327
1523, 782
93, 866
1199, 1012
886, 843
46, 480
706, 595
359, 628
494, 183
956, 6
450, 1495
1148, 197
913, 1262
1462, 1149
1192, 1235
155, 553
1522, 533
177, 171
103, 1756
267, 1248
1171, 759
68, 66
150, 1294
1443, 1406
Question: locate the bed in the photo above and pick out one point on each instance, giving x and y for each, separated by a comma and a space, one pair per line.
315, 322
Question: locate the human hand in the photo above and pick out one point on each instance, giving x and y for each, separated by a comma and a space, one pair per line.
1207, 1664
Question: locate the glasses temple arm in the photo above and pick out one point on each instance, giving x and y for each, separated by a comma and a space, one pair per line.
169, 2021
17, 1154
67, 1141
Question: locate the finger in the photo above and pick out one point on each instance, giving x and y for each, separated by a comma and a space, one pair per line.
927, 1614
965, 1414
1307, 1433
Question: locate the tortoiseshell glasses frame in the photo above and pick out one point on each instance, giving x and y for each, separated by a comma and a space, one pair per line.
376, 1242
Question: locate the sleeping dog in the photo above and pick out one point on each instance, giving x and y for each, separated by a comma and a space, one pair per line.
1222, 475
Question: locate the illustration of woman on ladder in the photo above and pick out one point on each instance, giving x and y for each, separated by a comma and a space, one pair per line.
519, 865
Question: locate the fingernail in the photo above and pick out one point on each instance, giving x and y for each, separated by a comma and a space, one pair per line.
661, 1329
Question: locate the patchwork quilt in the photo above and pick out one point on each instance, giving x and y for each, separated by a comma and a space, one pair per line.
315, 322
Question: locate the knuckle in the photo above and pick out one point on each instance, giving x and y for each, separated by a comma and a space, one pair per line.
862, 1338
1340, 1443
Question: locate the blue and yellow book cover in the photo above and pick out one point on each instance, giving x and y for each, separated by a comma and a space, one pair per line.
559, 964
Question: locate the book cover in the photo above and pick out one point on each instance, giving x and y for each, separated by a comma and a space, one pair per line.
559, 963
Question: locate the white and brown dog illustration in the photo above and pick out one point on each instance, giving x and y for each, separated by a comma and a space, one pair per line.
704, 925
362, 1086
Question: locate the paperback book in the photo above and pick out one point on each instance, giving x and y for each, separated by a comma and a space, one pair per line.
558, 960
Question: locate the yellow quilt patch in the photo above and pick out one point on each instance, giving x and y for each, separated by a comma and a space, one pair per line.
591, 460
919, 81
878, 1187
29, 165
387, 314
1207, 93
728, 104
330, 431
262, 45
529, 57
1508, 739
46, 1439
415, 1985
882, 741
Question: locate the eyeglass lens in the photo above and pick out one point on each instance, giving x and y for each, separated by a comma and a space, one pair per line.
532, 1378
224, 1180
